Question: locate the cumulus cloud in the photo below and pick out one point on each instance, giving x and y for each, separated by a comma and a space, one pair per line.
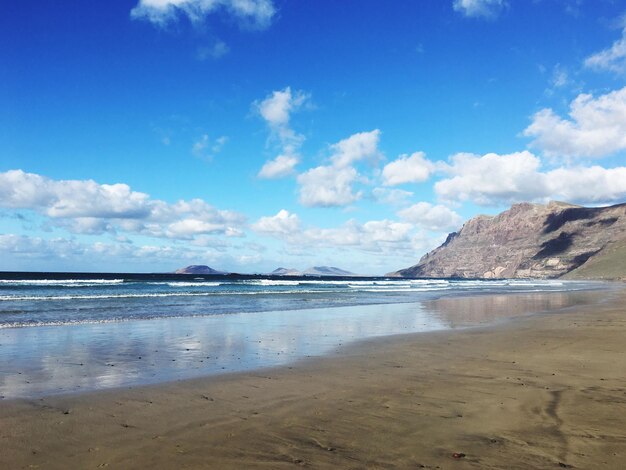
432, 217
26, 252
379, 236
276, 109
371, 236
253, 13
491, 179
593, 185
596, 128
34, 247
84, 206
281, 166
494, 179
394, 197
359, 146
612, 59
479, 8
375, 236
332, 185
328, 186
282, 223
407, 169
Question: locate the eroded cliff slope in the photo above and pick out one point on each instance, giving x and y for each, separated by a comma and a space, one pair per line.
532, 241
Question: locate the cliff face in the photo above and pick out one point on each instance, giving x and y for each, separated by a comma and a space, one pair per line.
529, 240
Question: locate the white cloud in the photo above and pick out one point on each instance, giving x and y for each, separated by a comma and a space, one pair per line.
84, 206
71, 198
276, 110
200, 145
407, 169
281, 166
372, 236
254, 13
282, 223
394, 197
332, 185
328, 186
612, 59
478, 8
494, 179
594, 185
207, 148
560, 77
219, 143
491, 179
437, 218
26, 252
359, 146
34, 247
596, 128
216, 51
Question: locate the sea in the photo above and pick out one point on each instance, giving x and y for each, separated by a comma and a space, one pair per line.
38, 299
76, 332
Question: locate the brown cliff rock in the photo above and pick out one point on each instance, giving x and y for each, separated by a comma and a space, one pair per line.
529, 241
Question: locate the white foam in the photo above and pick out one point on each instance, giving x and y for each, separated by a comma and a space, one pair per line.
60, 282
189, 284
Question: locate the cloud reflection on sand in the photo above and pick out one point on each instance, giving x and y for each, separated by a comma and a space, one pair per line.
59, 359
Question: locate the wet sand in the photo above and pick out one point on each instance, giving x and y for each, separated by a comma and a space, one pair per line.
541, 391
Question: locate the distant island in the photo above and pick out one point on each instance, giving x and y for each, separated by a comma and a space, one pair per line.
313, 271
556, 240
198, 269
202, 269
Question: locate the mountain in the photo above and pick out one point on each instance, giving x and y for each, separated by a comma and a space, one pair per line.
198, 269
533, 241
326, 271
285, 272
312, 271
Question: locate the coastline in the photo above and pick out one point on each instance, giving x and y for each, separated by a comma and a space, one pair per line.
83, 357
538, 391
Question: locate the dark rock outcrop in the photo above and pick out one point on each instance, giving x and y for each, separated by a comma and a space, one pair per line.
529, 241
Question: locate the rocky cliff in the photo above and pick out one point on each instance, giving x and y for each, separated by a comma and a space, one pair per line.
532, 241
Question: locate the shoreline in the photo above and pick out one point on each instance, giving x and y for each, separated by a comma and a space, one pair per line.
537, 391
85, 358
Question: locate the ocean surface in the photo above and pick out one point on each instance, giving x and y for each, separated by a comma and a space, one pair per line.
38, 299
68, 333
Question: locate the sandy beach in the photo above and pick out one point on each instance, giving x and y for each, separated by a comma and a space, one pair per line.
540, 391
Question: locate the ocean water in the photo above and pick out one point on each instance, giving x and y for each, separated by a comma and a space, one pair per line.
74, 333
38, 299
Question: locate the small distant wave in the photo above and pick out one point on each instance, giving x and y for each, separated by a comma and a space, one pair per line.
275, 282
189, 284
15, 298
100, 296
60, 282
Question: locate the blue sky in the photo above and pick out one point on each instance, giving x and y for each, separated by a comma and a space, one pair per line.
145, 135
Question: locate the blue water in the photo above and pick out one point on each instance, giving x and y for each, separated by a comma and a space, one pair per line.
91, 332
54, 299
